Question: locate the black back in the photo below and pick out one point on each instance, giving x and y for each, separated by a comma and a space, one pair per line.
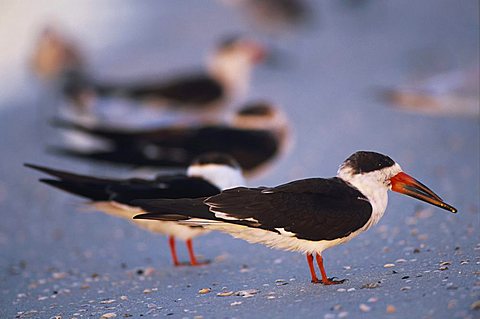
312, 209
178, 147
199, 89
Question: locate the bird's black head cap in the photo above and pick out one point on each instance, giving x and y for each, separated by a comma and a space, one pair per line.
257, 108
365, 161
229, 41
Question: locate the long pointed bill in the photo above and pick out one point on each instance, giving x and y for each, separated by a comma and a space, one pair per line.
405, 184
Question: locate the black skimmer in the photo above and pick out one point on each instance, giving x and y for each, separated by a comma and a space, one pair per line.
308, 215
257, 133
206, 176
454, 93
226, 78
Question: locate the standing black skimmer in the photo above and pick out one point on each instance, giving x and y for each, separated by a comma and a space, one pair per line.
226, 78
308, 215
257, 133
206, 176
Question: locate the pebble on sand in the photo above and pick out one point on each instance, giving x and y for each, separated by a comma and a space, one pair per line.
371, 285
475, 305
204, 291
225, 293
108, 315
372, 299
391, 309
247, 293
364, 308
59, 275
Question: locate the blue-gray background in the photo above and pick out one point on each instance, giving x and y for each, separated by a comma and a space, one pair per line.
57, 260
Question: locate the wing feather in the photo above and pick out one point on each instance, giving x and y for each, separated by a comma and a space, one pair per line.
313, 209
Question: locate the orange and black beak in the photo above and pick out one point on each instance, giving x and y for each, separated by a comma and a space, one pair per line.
405, 184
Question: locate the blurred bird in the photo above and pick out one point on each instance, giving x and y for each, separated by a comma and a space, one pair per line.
57, 59
226, 77
54, 54
256, 135
308, 215
453, 93
274, 16
206, 176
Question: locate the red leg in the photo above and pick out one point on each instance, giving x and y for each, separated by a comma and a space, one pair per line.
312, 270
325, 279
173, 251
193, 259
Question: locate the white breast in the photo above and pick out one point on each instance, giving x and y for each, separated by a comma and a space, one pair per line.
283, 241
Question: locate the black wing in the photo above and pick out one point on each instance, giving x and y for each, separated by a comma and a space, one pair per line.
313, 209
123, 135
125, 190
251, 148
135, 155
174, 187
198, 89
177, 147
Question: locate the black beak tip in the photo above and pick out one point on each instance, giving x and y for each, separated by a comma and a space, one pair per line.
449, 208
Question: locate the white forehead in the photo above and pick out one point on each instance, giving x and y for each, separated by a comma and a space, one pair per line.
388, 172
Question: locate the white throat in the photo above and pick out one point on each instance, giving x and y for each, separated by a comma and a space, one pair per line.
374, 185
222, 176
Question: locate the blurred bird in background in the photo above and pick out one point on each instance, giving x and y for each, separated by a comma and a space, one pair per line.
224, 80
206, 176
453, 93
257, 134
274, 16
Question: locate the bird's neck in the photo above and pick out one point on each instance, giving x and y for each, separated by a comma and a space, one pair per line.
376, 193
233, 73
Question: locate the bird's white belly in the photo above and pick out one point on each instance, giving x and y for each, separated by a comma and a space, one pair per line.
155, 226
278, 241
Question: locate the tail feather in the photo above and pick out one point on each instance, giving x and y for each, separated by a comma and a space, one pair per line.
174, 209
86, 186
67, 176
125, 156
185, 212
63, 123
93, 191
109, 133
